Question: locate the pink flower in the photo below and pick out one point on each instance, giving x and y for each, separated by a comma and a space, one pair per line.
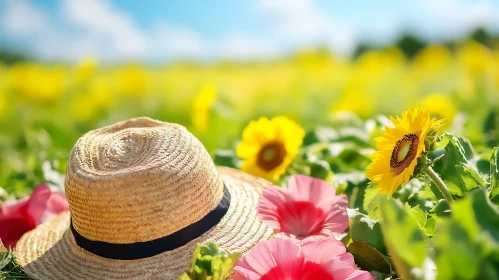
324, 259
22, 215
309, 208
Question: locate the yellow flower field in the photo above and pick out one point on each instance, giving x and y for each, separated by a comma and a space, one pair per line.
306, 87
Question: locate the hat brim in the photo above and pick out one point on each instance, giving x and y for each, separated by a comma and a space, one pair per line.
50, 251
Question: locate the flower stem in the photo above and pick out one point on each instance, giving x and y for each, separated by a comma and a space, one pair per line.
439, 183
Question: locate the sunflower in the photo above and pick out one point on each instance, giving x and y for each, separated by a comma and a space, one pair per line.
269, 146
440, 106
400, 147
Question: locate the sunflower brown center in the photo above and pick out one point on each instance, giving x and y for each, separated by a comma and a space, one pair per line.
271, 155
404, 152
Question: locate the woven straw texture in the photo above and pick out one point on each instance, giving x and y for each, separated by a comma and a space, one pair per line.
140, 180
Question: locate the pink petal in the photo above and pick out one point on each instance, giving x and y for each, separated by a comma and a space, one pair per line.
332, 255
306, 188
271, 199
14, 222
44, 203
12, 230
322, 251
238, 276
300, 218
337, 218
360, 275
343, 266
14, 209
277, 255
314, 271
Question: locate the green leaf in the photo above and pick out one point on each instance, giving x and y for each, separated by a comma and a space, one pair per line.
363, 228
430, 226
380, 276
412, 187
9, 269
417, 214
494, 176
222, 265
456, 172
225, 158
5, 259
371, 201
319, 169
441, 208
320, 135
455, 256
368, 258
403, 236
491, 128
478, 214
210, 263
344, 156
466, 245
356, 183
469, 152
425, 222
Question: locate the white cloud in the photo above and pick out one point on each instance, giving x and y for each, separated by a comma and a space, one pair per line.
245, 47
453, 18
298, 19
95, 27
175, 42
302, 23
107, 24
21, 18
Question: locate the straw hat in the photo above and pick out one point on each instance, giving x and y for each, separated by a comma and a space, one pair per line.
142, 194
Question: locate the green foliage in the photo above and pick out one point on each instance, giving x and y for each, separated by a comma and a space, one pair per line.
368, 258
441, 208
371, 201
467, 243
455, 169
355, 184
225, 158
318, 168
464, 245
494, 176
8, 267
363, 228
210, 263
404, 238
320, 134
491, 129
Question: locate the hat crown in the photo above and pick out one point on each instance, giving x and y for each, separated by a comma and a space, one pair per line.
139, 180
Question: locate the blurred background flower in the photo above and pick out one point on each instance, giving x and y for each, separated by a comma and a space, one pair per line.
203, 104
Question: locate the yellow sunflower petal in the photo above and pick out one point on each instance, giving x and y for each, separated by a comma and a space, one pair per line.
247, 149
259, 131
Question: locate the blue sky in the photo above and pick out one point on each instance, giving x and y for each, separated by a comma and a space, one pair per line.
117, 30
